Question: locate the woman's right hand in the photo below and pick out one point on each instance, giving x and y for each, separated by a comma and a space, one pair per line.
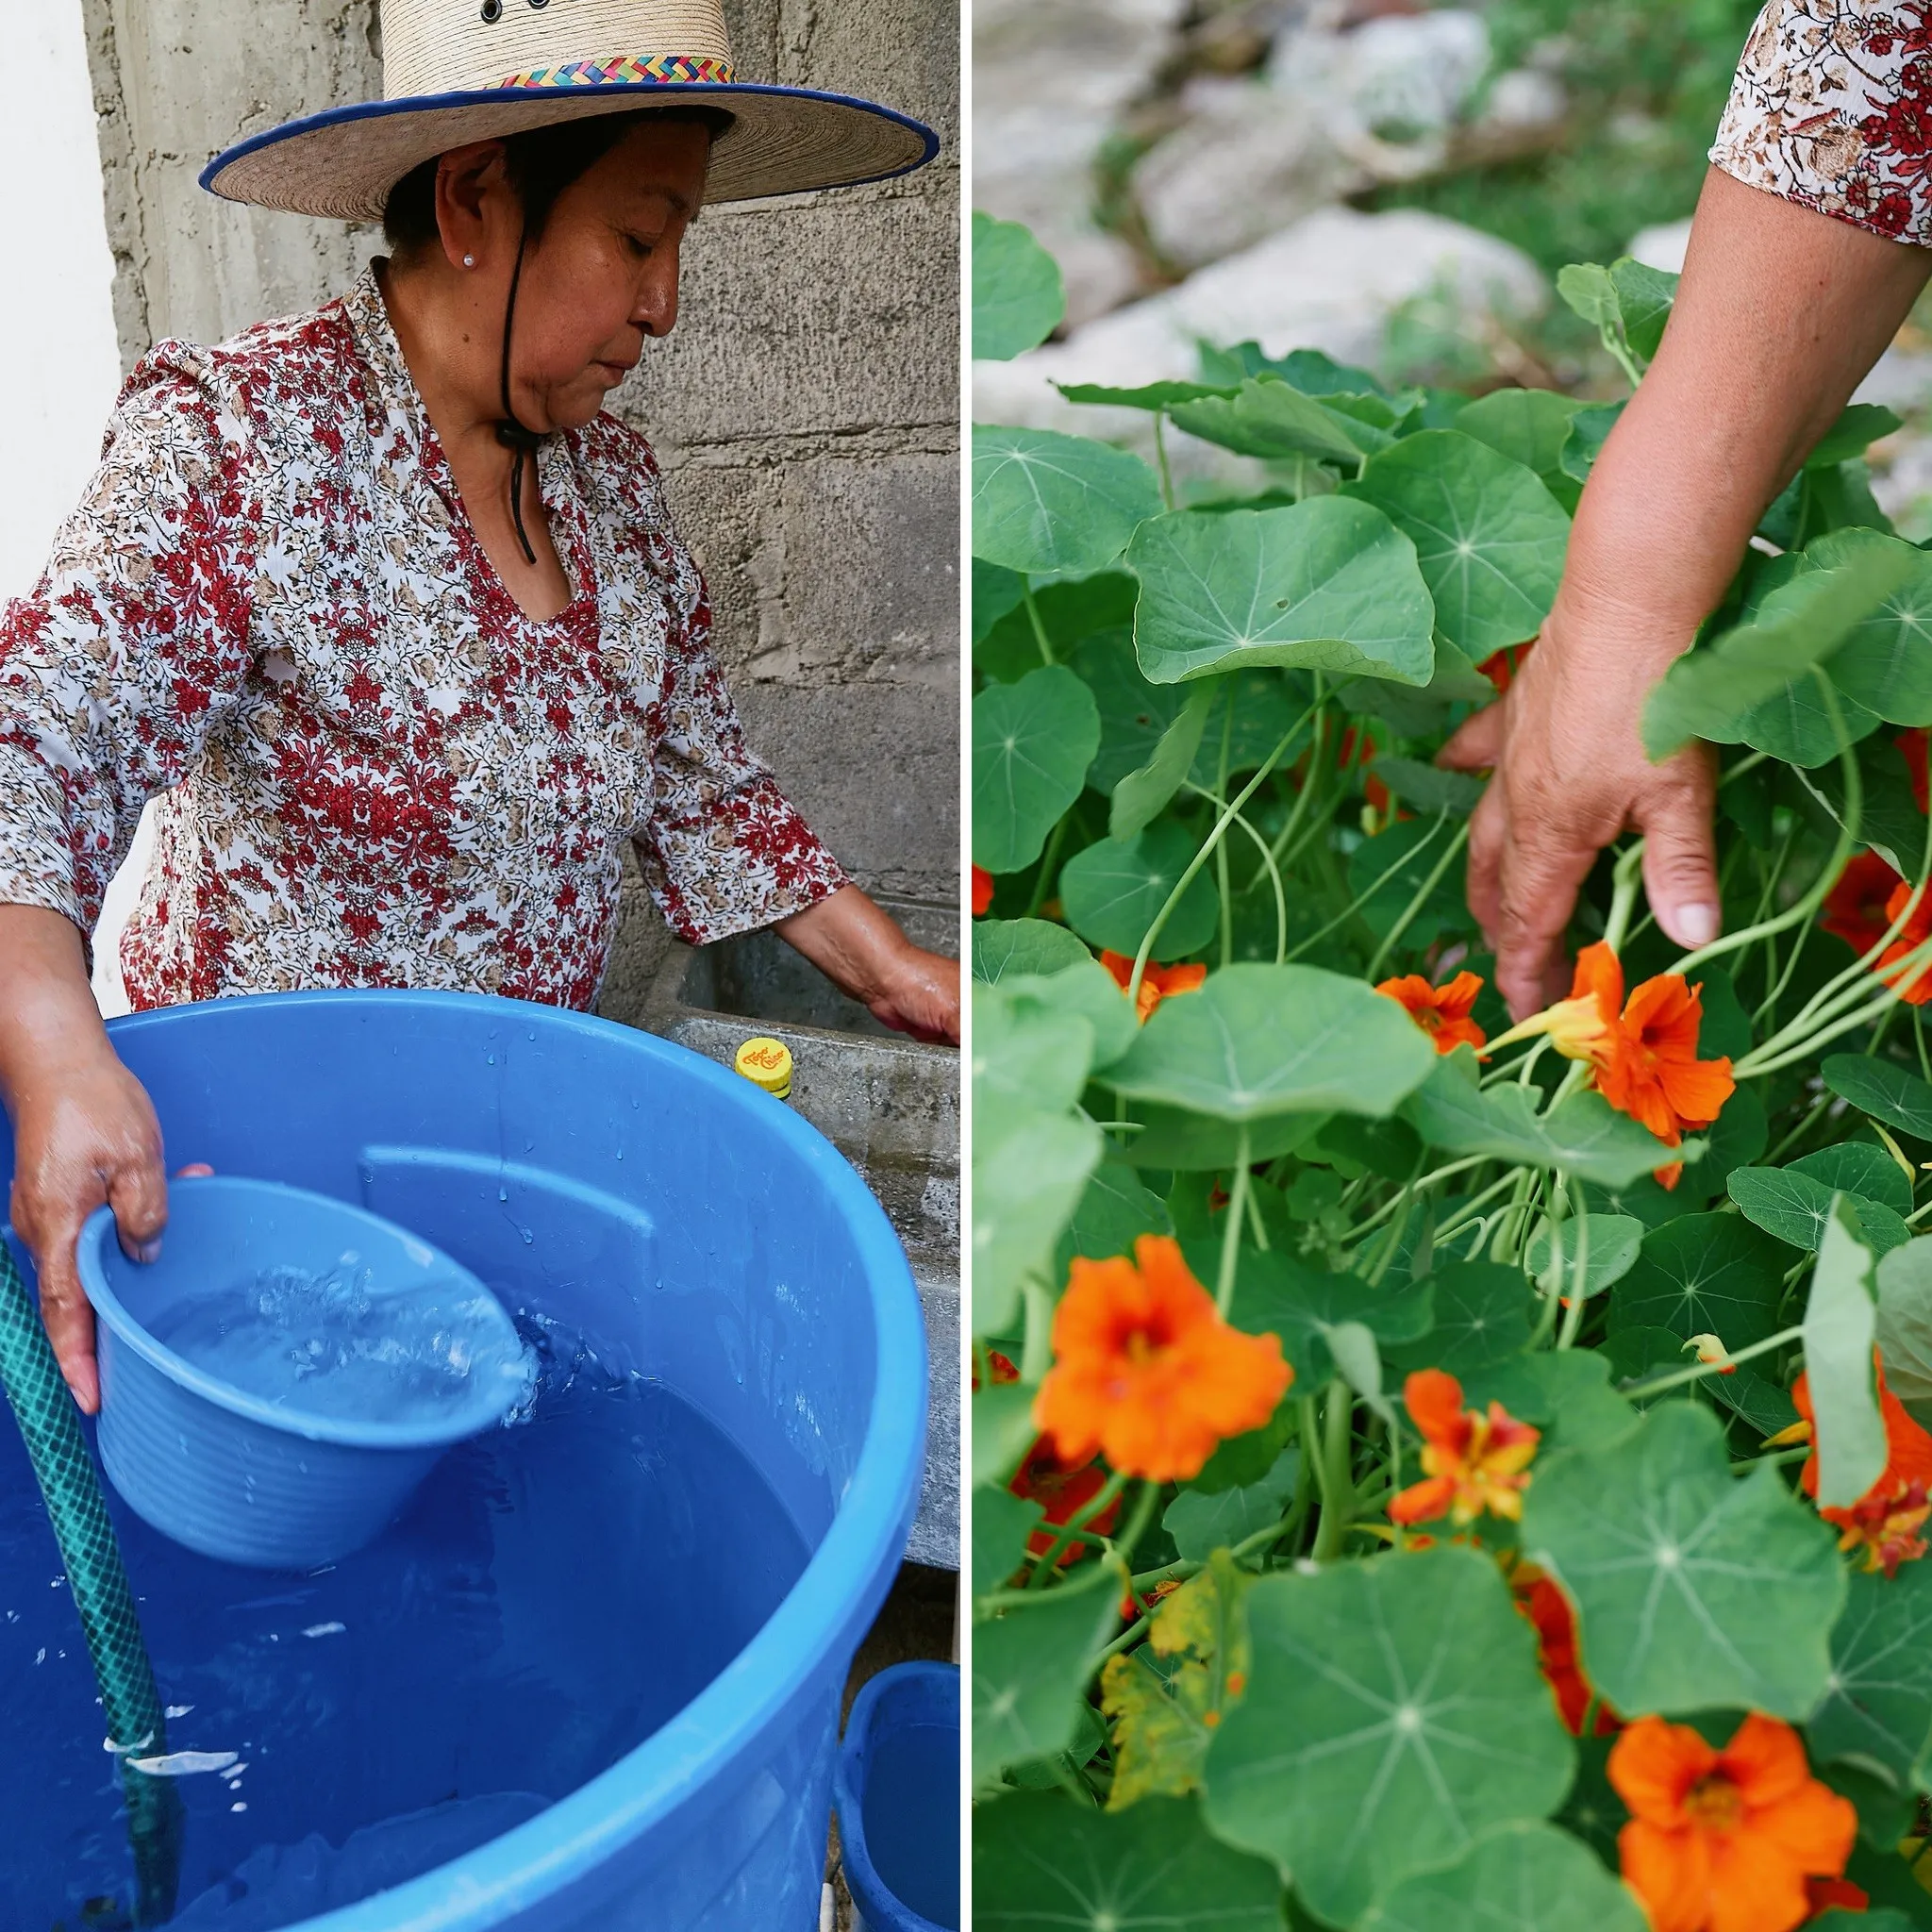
84, 1130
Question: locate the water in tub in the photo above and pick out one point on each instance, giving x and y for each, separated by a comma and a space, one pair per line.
557, 1588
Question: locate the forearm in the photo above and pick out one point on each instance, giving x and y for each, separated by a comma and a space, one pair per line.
1780, 314
851, 939
48, 1019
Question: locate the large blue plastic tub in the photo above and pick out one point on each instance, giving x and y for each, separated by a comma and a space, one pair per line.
699, 1229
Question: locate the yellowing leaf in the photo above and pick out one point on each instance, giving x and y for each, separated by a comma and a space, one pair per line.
1166, 1698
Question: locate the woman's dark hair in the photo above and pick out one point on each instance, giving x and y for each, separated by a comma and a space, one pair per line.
541, 163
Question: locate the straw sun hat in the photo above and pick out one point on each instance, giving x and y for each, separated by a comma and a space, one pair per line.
458, 71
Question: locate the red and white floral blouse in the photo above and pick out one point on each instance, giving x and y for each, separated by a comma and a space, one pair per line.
1832, 108
270, 613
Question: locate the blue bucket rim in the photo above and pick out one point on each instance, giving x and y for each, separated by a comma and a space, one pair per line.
853, 1852
572, 1838
480, 1412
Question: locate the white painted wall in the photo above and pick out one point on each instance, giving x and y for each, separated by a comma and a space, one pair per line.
57, 322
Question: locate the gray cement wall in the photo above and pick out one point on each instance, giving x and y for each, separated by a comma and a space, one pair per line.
805, 409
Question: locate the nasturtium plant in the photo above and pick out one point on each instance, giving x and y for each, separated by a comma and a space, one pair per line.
1398, 1422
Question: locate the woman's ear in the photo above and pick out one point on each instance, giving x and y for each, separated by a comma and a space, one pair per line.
473, 194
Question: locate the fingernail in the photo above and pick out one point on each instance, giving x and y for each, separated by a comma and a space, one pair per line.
1697, 923
149, 1252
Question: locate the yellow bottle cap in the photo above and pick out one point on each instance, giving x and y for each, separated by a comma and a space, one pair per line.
766, 1063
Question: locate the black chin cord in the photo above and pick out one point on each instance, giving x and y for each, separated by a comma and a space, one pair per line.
511, 434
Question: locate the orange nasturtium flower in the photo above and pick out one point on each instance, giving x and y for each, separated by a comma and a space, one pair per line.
1146, 1372
1855, 906
1885, 1521
982, 890
1911, 748
1473, 1461
1643, 1057
1725, 1840
1502, 667
1157, 984
1061, 1488
1441, 1011
1916, 930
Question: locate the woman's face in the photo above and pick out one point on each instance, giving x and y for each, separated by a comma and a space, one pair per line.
603, 276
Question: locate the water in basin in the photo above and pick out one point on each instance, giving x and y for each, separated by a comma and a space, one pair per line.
324, 1345
557, 1588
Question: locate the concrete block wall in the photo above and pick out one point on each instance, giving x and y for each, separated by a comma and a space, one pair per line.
805, 409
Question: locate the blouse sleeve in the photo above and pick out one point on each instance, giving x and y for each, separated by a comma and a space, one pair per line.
1832, 108
131, 649
724, 850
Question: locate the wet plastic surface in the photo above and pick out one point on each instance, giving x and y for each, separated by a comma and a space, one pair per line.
706, 1237
897, 1788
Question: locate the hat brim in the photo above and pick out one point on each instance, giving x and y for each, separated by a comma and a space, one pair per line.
342, 162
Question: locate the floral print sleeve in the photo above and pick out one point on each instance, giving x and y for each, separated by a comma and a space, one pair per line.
131, 651
1832, 108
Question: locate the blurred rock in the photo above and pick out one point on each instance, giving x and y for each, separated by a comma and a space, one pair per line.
1331, 281
1335, 113
1663, 246
1051, 78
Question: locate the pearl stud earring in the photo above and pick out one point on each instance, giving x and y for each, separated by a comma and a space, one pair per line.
469, 261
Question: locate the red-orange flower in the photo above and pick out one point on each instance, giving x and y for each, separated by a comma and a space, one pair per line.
1643, 1057
1885, 1521
1441, 1011
1541, 1599
1502, 667
1911, 748
1916, 930
1823, 1893
1725, 1840
1063, 1489
1157, 983
1855, 906
1473, 1461
1147, 1372
982, 890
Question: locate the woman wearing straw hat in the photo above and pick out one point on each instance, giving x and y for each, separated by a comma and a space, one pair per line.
389, 617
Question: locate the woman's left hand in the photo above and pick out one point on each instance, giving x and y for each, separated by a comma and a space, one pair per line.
858, 945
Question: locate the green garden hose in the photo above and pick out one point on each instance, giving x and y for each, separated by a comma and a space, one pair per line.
98, 1583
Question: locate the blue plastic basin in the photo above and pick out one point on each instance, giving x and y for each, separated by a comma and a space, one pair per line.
213, 1465
709, 1237
897, 1789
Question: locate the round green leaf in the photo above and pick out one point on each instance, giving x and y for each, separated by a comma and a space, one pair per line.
1045, 503
1002, 1522
1795, 1205
1394, 1711
1487, 534
1041, 1862
1519, 1878
1268, 417
1017, 297
1029, 1666
1529, 426
1905, 1324
1705, 1274
1694, 1590
1025, 1054
1032, 743
1201, 1522
1028, 1173
1257, 1041
1885, 665
1840, 1326
1607, 1245
1482, 1316
1003, 948
1887, 1093
1327, 584
1275, 1294
1857, 1167
1877, 1711
1113, 891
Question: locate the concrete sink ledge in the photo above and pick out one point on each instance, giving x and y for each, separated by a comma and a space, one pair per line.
889, 1103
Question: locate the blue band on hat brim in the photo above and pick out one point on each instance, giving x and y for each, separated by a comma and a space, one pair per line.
525, 96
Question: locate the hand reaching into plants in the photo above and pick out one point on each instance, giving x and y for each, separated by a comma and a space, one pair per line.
1779, 316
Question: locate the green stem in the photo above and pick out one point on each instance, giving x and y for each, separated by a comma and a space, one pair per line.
1362, 898
1038, 628
1044, 1566
1421, 899
1220, 850
1338, 1478
1048, 859
1697, 1371
1269, 865
1237, 1213
1167, 496
1228, 814
1627, 879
